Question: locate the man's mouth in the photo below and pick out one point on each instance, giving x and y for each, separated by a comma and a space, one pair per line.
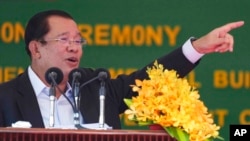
72, 59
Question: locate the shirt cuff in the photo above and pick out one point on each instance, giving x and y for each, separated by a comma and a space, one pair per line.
191, 54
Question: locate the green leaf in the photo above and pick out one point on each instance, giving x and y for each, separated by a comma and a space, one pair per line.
142, 123
128, 102
220, 138
177, 133
181, 135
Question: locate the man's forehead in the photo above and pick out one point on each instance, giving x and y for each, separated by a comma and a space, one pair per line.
59, 26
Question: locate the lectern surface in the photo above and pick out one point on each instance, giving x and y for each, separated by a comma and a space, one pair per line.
40, 134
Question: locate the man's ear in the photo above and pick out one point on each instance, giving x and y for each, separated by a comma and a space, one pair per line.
34, 49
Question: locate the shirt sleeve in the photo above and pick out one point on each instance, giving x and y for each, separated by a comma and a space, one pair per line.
189, 51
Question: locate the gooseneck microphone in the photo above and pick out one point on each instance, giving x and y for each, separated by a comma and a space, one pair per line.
76, 75
102, 74
53, 76
102, 77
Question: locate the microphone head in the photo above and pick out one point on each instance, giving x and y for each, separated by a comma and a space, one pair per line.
103, 74
54, 73
78, 74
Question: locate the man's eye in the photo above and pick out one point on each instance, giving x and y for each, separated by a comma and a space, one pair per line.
64, 39
78, 41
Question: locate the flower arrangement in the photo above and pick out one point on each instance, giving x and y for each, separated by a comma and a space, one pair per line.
170, 101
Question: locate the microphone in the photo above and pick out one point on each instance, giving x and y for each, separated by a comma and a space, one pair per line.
102, 104
53, 76
102, 74
75, 75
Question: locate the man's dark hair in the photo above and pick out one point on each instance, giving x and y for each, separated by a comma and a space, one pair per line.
38, 26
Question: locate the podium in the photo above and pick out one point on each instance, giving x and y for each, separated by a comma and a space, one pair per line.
41, 134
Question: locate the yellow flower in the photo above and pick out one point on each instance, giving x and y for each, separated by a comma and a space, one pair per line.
170, 101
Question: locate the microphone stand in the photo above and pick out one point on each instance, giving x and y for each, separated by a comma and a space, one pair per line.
53, 76
52, 93
76, 91
101, 76
102, 105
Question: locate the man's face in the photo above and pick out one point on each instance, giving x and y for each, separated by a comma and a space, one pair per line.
62, 49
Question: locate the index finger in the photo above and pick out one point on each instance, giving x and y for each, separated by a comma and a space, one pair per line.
230, 26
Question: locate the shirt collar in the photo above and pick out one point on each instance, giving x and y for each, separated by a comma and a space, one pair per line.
36, 82
38, 85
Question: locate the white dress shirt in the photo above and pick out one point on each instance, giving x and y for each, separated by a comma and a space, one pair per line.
189, 51
63, 116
